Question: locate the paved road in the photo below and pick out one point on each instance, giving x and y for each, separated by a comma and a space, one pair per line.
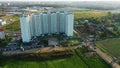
103, 55
8, 53
106, 57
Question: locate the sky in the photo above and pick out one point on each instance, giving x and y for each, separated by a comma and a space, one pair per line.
59, 0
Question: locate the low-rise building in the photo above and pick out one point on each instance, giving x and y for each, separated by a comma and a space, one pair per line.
110, 28
2, 22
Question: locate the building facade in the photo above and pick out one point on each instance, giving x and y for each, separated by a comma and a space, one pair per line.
69, 24
3, 22
25, 28
46, 23
2, 34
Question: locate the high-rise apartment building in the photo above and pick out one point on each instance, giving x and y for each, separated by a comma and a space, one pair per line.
25, 28
46, 23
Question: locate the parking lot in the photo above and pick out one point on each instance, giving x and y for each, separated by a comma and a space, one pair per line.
14, 45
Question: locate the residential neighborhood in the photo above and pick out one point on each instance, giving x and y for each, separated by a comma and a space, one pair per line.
59, 34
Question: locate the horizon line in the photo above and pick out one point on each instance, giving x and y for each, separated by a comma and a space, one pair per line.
54, 0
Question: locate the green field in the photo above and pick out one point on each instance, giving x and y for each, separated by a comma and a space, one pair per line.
15, 23
79, 60
88, 14
112, 45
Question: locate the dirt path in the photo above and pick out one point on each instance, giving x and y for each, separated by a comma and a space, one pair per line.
35, 50
103, 55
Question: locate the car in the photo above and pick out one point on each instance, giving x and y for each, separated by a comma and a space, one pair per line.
4, 49
1, 49
7, 49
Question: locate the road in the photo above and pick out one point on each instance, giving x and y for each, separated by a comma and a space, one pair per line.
106, 57
8, 53
103, 55
35, 50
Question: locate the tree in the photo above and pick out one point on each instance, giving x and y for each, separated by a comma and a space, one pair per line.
109, 14
109, 22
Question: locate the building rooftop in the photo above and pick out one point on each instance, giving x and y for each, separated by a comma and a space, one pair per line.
51, 12
44, 12
1, 29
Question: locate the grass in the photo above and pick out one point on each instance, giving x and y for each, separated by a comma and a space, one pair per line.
103, 49
13, 26
88, 14
72, 42
110, 47
90, 61
5, 41
113, 45
15, 23
79, 60
75, 33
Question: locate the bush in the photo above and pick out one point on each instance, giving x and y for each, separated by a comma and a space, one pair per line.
5, 41
119, 62
44, 56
